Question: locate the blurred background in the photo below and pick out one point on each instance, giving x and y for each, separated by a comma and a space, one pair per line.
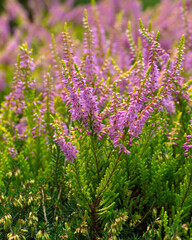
145, 3
33, 21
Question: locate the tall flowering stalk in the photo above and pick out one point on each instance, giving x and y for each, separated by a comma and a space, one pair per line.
23, 81
88, 63
64, 140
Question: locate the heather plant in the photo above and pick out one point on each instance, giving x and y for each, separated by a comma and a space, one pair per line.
103, 149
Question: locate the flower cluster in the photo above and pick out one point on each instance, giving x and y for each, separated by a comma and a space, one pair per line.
64, 140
